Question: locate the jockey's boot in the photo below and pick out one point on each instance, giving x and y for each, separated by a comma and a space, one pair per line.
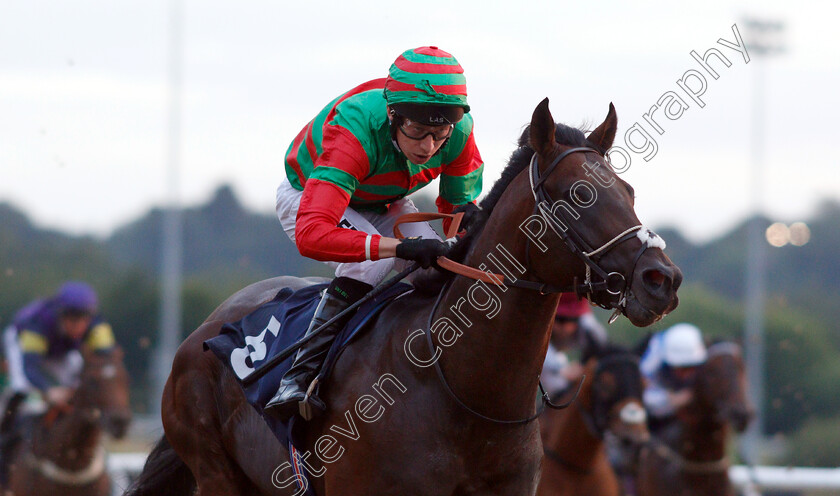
293, 395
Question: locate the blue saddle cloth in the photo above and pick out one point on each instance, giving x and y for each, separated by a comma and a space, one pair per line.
271, 328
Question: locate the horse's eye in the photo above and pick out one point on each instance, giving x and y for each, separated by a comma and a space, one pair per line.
582, 196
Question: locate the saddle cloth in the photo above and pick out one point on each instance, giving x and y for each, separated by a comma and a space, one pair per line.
271, 328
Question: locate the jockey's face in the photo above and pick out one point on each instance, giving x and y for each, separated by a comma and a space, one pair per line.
563, 332
74, 325
420, 151
684, 375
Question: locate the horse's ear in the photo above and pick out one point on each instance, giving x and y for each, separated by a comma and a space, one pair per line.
604, 135
542, 128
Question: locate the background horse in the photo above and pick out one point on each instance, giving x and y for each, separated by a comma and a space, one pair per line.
64, 455
687, 457
610, 400
447, 413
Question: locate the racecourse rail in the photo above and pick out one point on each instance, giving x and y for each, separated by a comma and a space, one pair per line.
123, 467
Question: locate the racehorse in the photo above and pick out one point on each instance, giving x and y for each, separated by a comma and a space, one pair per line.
450, 414
610, 400
64, 453
687, 457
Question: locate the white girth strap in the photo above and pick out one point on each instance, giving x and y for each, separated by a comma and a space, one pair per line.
53, 472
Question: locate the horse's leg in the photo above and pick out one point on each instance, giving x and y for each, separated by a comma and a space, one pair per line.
249, 440
228, 447
191, 420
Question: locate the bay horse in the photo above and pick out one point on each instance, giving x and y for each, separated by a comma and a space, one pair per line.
609, 402
64, 455
687, 457
449, 414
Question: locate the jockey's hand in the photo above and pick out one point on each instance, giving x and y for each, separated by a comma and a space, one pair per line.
473, 216
423, 251
573, 371
680, 398
58, 395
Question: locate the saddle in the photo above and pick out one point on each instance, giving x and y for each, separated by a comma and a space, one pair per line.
246, 344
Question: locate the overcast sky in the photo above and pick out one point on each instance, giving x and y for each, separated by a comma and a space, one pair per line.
83, 94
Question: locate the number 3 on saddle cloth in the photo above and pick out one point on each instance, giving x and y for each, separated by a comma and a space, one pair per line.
246, 344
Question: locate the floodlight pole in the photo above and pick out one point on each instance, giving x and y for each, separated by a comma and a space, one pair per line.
169, 331
762, 41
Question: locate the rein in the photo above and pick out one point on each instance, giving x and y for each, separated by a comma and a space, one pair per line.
54, 412
694, 467
555, 457
615, 284
544, 396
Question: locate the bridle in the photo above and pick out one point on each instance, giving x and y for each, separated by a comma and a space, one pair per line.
616, 284
597, 419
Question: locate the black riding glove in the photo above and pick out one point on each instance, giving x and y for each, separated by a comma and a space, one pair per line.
473, 217
422, 251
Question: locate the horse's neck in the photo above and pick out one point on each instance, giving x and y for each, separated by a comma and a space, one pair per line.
570, 436
71, 442
703, 439
495, 364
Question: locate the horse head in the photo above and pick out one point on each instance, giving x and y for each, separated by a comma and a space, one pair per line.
103, 391
615, 400
580, 198
721, 388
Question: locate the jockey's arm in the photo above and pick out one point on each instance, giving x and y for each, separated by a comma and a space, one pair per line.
657, 400
100, 338
33, 347
318, 236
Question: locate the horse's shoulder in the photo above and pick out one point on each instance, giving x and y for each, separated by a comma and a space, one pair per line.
249, 298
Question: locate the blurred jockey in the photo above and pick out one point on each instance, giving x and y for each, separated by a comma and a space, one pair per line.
574, 324
42, 350
669, 366
347, 175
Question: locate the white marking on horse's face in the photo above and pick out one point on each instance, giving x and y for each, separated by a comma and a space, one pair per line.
633, 413
109, 372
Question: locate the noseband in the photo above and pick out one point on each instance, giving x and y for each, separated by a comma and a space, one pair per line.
616, 284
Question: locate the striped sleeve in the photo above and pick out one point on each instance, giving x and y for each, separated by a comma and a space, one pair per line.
317, 234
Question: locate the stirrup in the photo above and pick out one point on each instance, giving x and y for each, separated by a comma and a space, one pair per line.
311, 405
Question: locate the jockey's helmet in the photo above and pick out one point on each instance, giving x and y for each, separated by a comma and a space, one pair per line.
683, 346
427, 85
76, 297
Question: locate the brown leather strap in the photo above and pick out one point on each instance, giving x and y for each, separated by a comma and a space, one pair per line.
444, 262
427, 216
53, 412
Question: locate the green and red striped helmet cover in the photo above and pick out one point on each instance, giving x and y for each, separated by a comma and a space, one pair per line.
427, 76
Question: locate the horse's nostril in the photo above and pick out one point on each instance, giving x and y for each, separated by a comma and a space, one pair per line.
654, 279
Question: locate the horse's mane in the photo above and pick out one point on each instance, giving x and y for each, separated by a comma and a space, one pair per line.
518, 161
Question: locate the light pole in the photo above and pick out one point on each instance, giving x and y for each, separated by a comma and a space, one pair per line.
171, 281
763, 40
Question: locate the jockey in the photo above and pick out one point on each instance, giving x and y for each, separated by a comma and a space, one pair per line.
574, 323
42, 350
670, 366
347, 175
